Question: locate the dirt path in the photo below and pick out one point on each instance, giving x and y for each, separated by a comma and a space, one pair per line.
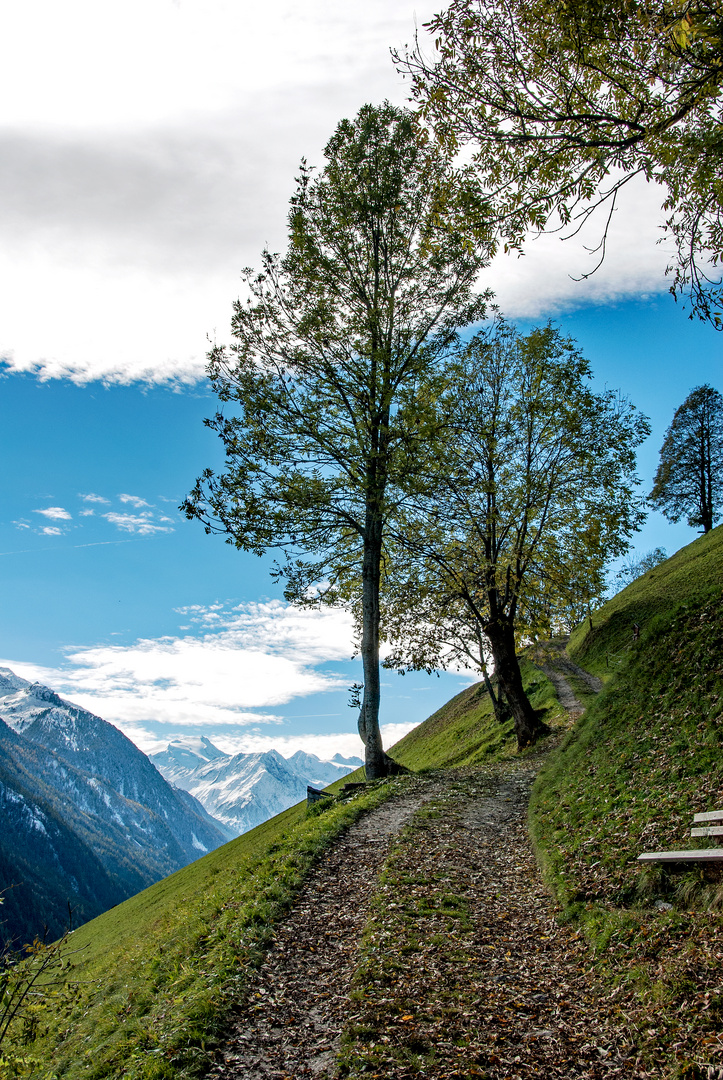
474, 976
299, 997
550, 657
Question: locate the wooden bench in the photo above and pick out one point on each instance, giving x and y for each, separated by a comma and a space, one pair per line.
314, 795
697, 854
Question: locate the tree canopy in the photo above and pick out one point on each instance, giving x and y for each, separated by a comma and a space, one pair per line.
689, 479
567, 101
532, 494
334, 369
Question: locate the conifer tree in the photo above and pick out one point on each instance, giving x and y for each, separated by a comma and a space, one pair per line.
689, 479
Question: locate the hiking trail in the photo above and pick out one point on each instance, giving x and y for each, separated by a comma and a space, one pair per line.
424, 944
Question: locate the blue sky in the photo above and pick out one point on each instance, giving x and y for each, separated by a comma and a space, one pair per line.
127, 214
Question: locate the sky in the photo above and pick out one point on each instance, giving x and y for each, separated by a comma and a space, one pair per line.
147, 155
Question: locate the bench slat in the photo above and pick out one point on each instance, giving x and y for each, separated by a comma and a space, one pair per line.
700, 855
713, 815
709, 830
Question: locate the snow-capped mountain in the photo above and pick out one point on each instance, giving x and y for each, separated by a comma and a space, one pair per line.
243, 790
87, 818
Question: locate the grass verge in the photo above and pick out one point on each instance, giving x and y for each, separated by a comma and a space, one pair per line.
646, 756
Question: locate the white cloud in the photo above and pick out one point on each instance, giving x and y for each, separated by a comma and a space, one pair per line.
147, 197
87, 513
134, 501
55, 513
91, 498
50, 530
255, 658
142, 524
545, 279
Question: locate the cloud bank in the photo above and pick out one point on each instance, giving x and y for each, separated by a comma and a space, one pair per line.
235, 671
132, 209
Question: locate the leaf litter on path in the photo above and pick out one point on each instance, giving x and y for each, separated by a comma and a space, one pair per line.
425, 945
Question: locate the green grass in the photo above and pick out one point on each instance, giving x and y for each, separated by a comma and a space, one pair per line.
156, 974
646, 756
688, 573
465, 732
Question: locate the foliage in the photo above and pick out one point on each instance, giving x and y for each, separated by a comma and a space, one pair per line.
689, 479
35, 985
532, 493
567, 102
337, 351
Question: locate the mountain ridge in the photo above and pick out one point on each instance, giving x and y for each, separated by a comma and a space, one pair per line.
243, 790
82, 795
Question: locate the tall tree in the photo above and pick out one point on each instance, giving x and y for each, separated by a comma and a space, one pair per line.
689, 479
337, 351
533, 492
567, 101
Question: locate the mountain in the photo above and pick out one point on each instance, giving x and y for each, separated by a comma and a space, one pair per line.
243, 790
88, 820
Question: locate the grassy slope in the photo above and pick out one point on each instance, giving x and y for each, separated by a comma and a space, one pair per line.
153, 973
628, 778
156, 970
694, 569
464, 731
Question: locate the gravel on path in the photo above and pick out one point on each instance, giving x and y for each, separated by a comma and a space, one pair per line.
552, 660
468, 973
508, 994
297, 1001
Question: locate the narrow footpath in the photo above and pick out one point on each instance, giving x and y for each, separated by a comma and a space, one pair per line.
425, 945
299, 998
550, 657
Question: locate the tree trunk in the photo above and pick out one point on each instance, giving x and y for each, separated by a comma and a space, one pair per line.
376, 762
501, 708
528, 726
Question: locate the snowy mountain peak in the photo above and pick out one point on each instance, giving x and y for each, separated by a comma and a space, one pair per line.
352, 762
22, 703
10, 681
187, 753
242, 790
